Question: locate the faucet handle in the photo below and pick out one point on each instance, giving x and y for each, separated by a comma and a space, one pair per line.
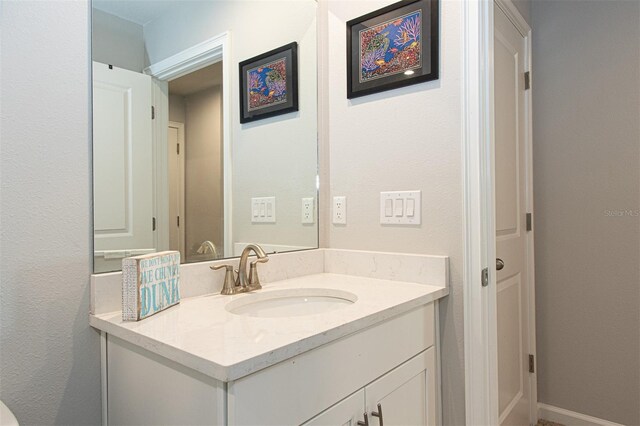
254, 281
230, 281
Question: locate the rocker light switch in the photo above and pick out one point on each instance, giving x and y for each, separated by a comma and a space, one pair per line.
400, 208
411, 207
388, 207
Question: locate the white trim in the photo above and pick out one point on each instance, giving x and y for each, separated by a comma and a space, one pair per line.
160, 96
514, 16
103, 378
480, 325
530, 261
208, 52
181, 210
324, 166
195, 57
570, 418
438, 354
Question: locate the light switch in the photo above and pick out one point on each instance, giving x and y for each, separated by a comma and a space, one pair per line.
411, 207
398, 207
263, 209
388, 207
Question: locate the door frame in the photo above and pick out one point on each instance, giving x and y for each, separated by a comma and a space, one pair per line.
203, 54
480, 305
181, 210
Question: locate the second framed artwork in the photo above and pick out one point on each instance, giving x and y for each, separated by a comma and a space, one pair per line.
393, 47
269, 84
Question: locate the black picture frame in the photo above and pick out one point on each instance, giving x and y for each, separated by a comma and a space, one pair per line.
405, 66
268, 91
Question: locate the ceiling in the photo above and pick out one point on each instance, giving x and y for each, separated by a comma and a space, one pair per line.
196, 81
139, 11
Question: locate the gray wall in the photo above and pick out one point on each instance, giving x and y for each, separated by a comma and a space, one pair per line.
49, 356
203, 170
586, 114
117, 41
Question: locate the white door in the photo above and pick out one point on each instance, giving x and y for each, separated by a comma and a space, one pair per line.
175, 155
406, 395
511, 234
122, 163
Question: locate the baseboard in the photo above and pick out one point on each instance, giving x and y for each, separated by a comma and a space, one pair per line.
570, 418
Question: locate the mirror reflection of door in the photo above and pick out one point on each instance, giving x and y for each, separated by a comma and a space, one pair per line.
196, 204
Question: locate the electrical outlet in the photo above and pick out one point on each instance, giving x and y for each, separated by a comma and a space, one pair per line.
307, 210
340, 210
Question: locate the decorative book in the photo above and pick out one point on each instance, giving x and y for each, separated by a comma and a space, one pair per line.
150, 284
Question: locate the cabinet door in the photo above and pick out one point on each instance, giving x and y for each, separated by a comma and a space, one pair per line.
345, 413
406, 394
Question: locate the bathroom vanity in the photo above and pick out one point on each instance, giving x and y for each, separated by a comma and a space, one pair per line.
342, 335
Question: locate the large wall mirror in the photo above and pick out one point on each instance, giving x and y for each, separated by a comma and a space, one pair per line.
173, 166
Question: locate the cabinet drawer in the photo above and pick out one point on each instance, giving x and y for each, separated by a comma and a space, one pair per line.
293, 391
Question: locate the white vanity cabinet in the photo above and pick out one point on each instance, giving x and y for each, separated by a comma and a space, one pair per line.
406, 396
391, 362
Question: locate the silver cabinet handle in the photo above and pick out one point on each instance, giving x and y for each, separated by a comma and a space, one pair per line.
366, 421
378, 414
499, 264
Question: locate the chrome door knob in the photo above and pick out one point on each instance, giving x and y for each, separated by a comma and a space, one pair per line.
499, 264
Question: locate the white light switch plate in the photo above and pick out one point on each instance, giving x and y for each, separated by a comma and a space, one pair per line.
263, 210
307, 210
340, 210
400, 208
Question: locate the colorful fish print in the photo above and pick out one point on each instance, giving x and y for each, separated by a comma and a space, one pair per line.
267, 85
391, 47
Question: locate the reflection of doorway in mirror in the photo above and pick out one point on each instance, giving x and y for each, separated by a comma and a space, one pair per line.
175, 154
195, 100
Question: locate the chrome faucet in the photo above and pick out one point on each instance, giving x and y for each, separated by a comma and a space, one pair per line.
241, 283
253, 282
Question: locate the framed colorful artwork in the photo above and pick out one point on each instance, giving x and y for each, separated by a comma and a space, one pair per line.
393, 47
269, 84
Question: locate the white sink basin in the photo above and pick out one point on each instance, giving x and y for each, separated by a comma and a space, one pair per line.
291, 302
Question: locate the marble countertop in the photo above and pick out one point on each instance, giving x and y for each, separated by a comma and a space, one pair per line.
201, 334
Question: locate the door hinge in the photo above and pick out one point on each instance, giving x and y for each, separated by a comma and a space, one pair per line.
485, 277
527, 81
178, 149
532, 368
153, 112
178, 220
529, 221
153, 223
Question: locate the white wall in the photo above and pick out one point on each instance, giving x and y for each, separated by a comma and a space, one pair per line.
49, 356
404, 139
117, 41
272, 157
586, 148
